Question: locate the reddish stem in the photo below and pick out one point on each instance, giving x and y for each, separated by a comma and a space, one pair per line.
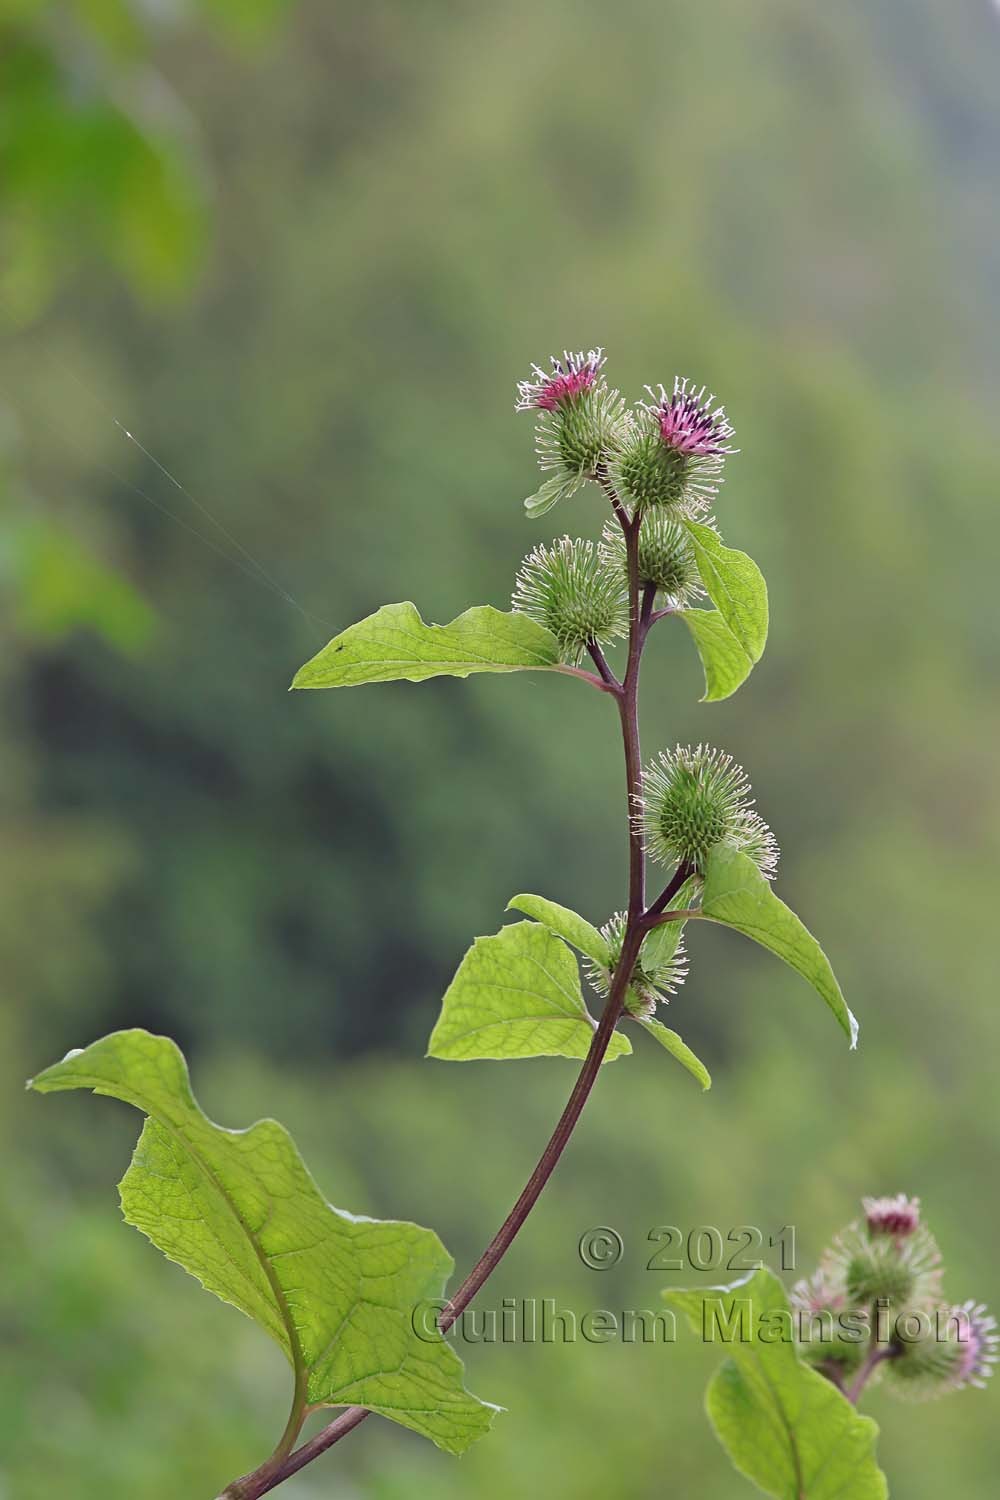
269, 1476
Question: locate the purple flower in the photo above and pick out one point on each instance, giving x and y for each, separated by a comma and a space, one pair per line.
978, 1341
690, 421
565, 382
898, 1217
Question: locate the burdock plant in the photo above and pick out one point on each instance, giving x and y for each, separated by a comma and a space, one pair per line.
239, 1210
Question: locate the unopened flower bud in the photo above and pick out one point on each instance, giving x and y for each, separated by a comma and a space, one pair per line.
898, 1217
695, 799
568, 589
903, 1271
666, 557
879, 1277
653, 980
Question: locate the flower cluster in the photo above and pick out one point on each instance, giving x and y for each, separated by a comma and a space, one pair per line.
667, 452
875, 1304
658, 465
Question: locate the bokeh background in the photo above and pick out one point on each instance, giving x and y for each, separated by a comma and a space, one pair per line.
302, 252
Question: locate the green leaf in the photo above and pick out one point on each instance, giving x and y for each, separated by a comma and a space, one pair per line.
737, 895
394, 643
736, 587
724, 660
557, 487
784, 1426
568, 925
517, 994
676, 1047
239, 1211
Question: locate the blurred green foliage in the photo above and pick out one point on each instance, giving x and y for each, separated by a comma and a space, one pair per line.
305, 265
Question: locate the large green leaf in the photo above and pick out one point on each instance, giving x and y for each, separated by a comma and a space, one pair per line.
784, 1426
517, 994
737, 895
677, 1048
567, 924
395, 643
724, 660
736, 587
239, 1210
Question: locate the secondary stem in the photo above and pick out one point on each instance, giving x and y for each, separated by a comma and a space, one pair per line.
876, 1356
626, 694
663, 900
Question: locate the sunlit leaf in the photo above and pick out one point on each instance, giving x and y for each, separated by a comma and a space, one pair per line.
239, 1211
736, 587
567, 924
737, 895
517, 994
725, 662
394, 643
672, 1042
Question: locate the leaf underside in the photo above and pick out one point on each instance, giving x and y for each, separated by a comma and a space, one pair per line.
517, 994
784, 1426
395, 644
737, 895
239, 1211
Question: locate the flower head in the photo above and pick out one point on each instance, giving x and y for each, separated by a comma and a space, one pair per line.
666, 557
691, 422
568, 589
979, 1347
905, 1271
898, 1216
945, 1350
659, 971
695, 799
580, 424
675, 448
568, 378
